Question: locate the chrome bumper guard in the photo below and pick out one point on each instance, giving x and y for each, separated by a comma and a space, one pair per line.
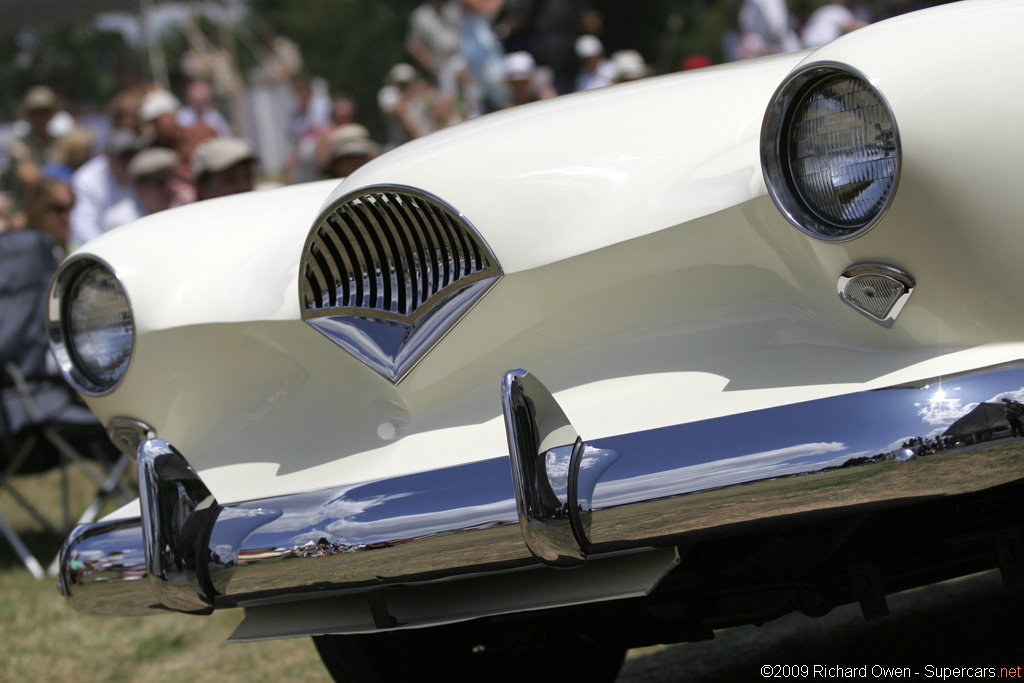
568, 500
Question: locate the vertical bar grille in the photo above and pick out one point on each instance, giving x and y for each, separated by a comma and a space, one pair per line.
389, 251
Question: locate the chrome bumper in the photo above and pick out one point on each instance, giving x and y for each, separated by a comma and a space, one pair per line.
567, 501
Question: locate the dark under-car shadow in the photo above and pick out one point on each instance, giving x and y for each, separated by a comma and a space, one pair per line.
968, 622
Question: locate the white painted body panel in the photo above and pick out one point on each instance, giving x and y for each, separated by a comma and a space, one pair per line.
649, 280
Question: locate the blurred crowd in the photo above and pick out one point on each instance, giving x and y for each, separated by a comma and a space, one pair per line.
158, 149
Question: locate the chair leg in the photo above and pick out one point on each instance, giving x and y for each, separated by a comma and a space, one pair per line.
32, 509
26, 557
69, 451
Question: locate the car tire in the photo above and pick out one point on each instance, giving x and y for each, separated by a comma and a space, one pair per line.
464, 653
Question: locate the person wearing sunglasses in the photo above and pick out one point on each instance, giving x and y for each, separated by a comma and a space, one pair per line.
48, 205
28, 260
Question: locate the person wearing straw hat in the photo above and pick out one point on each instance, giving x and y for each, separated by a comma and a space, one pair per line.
31, 151
222, 167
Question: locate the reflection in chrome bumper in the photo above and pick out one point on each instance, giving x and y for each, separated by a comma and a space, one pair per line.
567, 500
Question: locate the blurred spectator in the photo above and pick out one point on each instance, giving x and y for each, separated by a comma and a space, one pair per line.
208, 62
33, 149
123, 110
629, 66
70, 151
595, 70
158, 115
282, 64
223, 166
464, 101
433, 39
766, 27
100, 183
199, 107
6, 213
48, 205
156, 186
483, 51
29, 259
310, 115
828, 22
408, 102
343, 113
529, 83
548, 29
348, 148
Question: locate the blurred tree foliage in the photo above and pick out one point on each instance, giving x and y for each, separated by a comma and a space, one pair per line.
83, 64
350, 43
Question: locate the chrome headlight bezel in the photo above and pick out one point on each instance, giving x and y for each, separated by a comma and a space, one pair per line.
777, 164
59, 328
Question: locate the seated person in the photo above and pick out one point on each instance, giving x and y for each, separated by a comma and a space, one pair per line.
28, 260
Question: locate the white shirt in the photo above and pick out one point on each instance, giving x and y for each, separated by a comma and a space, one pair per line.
121, 213
96, 190
826, 24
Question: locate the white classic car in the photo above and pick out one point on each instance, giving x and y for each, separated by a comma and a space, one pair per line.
615, 369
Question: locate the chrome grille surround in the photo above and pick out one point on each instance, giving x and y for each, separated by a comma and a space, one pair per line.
387, 271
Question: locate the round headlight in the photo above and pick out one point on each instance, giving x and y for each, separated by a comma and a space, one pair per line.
90, 325
830, 152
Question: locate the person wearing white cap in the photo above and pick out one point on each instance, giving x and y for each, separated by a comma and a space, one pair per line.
595, 70
156, 186
222, 167
629, 66
158, 118
529, 82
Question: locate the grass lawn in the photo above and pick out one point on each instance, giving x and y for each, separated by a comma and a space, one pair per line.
42, 639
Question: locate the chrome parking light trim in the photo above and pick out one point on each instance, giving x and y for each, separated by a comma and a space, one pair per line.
633, 491
877, 291
127, 434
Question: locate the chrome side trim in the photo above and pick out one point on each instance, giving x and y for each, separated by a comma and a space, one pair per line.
386, 271
636, 491
877, 291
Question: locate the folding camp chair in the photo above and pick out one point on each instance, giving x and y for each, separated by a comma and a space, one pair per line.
42, 426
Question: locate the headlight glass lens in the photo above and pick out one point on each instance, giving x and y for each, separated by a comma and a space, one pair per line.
831, 152
841, 151
97, 330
